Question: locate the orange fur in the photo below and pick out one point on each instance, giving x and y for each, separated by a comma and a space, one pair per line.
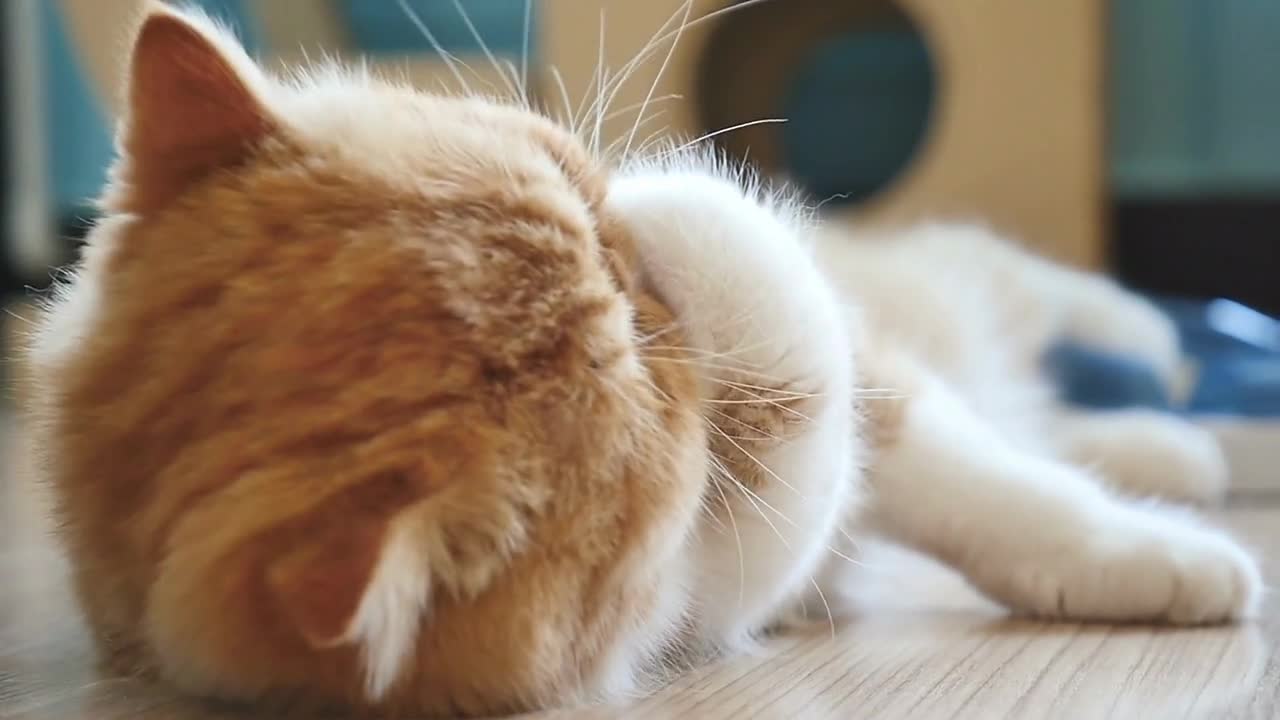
296, 359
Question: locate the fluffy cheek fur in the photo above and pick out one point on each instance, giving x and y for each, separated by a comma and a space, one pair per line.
774, 359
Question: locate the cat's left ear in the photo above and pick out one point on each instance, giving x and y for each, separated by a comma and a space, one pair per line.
194, 104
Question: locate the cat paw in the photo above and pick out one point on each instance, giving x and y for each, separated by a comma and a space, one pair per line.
1149, 454
1150, 568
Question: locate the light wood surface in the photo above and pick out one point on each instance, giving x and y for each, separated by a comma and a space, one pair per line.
924, 647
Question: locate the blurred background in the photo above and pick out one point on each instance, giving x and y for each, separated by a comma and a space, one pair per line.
1140, 137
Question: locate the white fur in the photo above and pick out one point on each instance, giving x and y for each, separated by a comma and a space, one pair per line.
750, 299
385, 625
986, 472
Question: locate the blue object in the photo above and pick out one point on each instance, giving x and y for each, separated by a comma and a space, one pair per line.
1235, 348
857, 111
1102, 380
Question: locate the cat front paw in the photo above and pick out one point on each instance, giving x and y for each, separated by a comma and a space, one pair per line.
1148, 567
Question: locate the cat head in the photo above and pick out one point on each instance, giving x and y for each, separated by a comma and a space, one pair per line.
374, 398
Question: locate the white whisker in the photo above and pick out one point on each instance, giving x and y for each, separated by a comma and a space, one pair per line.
608, 92
748, 496
608, 152
646, 339
688, 7
524, 48
797, 394
584, 110
722, 131
564, 97
831, 620
603, 75
449, 60
842, 556
757, 399
710, 366
656, 42
763, 434
484, 47
737, 539
633, 106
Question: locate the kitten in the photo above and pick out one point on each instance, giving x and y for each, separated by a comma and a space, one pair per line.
372, 399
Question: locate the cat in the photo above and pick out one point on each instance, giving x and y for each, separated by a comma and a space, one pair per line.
371, 399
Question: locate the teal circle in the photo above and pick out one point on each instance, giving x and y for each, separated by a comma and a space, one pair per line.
858, 109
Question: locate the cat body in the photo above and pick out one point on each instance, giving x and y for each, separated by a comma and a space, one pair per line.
373, 399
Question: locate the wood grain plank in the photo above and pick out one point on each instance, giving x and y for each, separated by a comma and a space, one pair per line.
925, 647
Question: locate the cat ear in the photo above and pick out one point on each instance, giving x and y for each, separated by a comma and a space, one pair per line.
319, 586
355, 583
193, 105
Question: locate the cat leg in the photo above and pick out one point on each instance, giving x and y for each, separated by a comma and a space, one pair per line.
1145, 453
1042, 536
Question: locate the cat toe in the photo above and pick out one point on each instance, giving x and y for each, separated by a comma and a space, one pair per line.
1181, 575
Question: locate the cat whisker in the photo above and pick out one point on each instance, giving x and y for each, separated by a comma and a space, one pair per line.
736, 7
524, 51
767, 388
648, 380
733, 353
746, 490
710, 515
763, 434
783, 394
737, 536
732, 128
484, 48
831, 620
633, 106
564, 97
609, 151
712, 367
883, 398
646, 339
684, 22
449, 59
523, 97
602, 76
840, 529
655, 138
17, 317
657, 41
758, 401
872, 390
752, 498
582, 112
743, 438
763, 467
748, 401
844, 557
608, 93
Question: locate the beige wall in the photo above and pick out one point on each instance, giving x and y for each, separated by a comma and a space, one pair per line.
1017, 139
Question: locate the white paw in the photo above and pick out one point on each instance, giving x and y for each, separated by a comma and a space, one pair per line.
1150, 454
1145, 565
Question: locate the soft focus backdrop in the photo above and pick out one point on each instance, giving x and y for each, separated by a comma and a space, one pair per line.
1141, 137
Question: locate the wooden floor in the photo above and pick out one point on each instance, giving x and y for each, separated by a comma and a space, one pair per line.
925, 648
